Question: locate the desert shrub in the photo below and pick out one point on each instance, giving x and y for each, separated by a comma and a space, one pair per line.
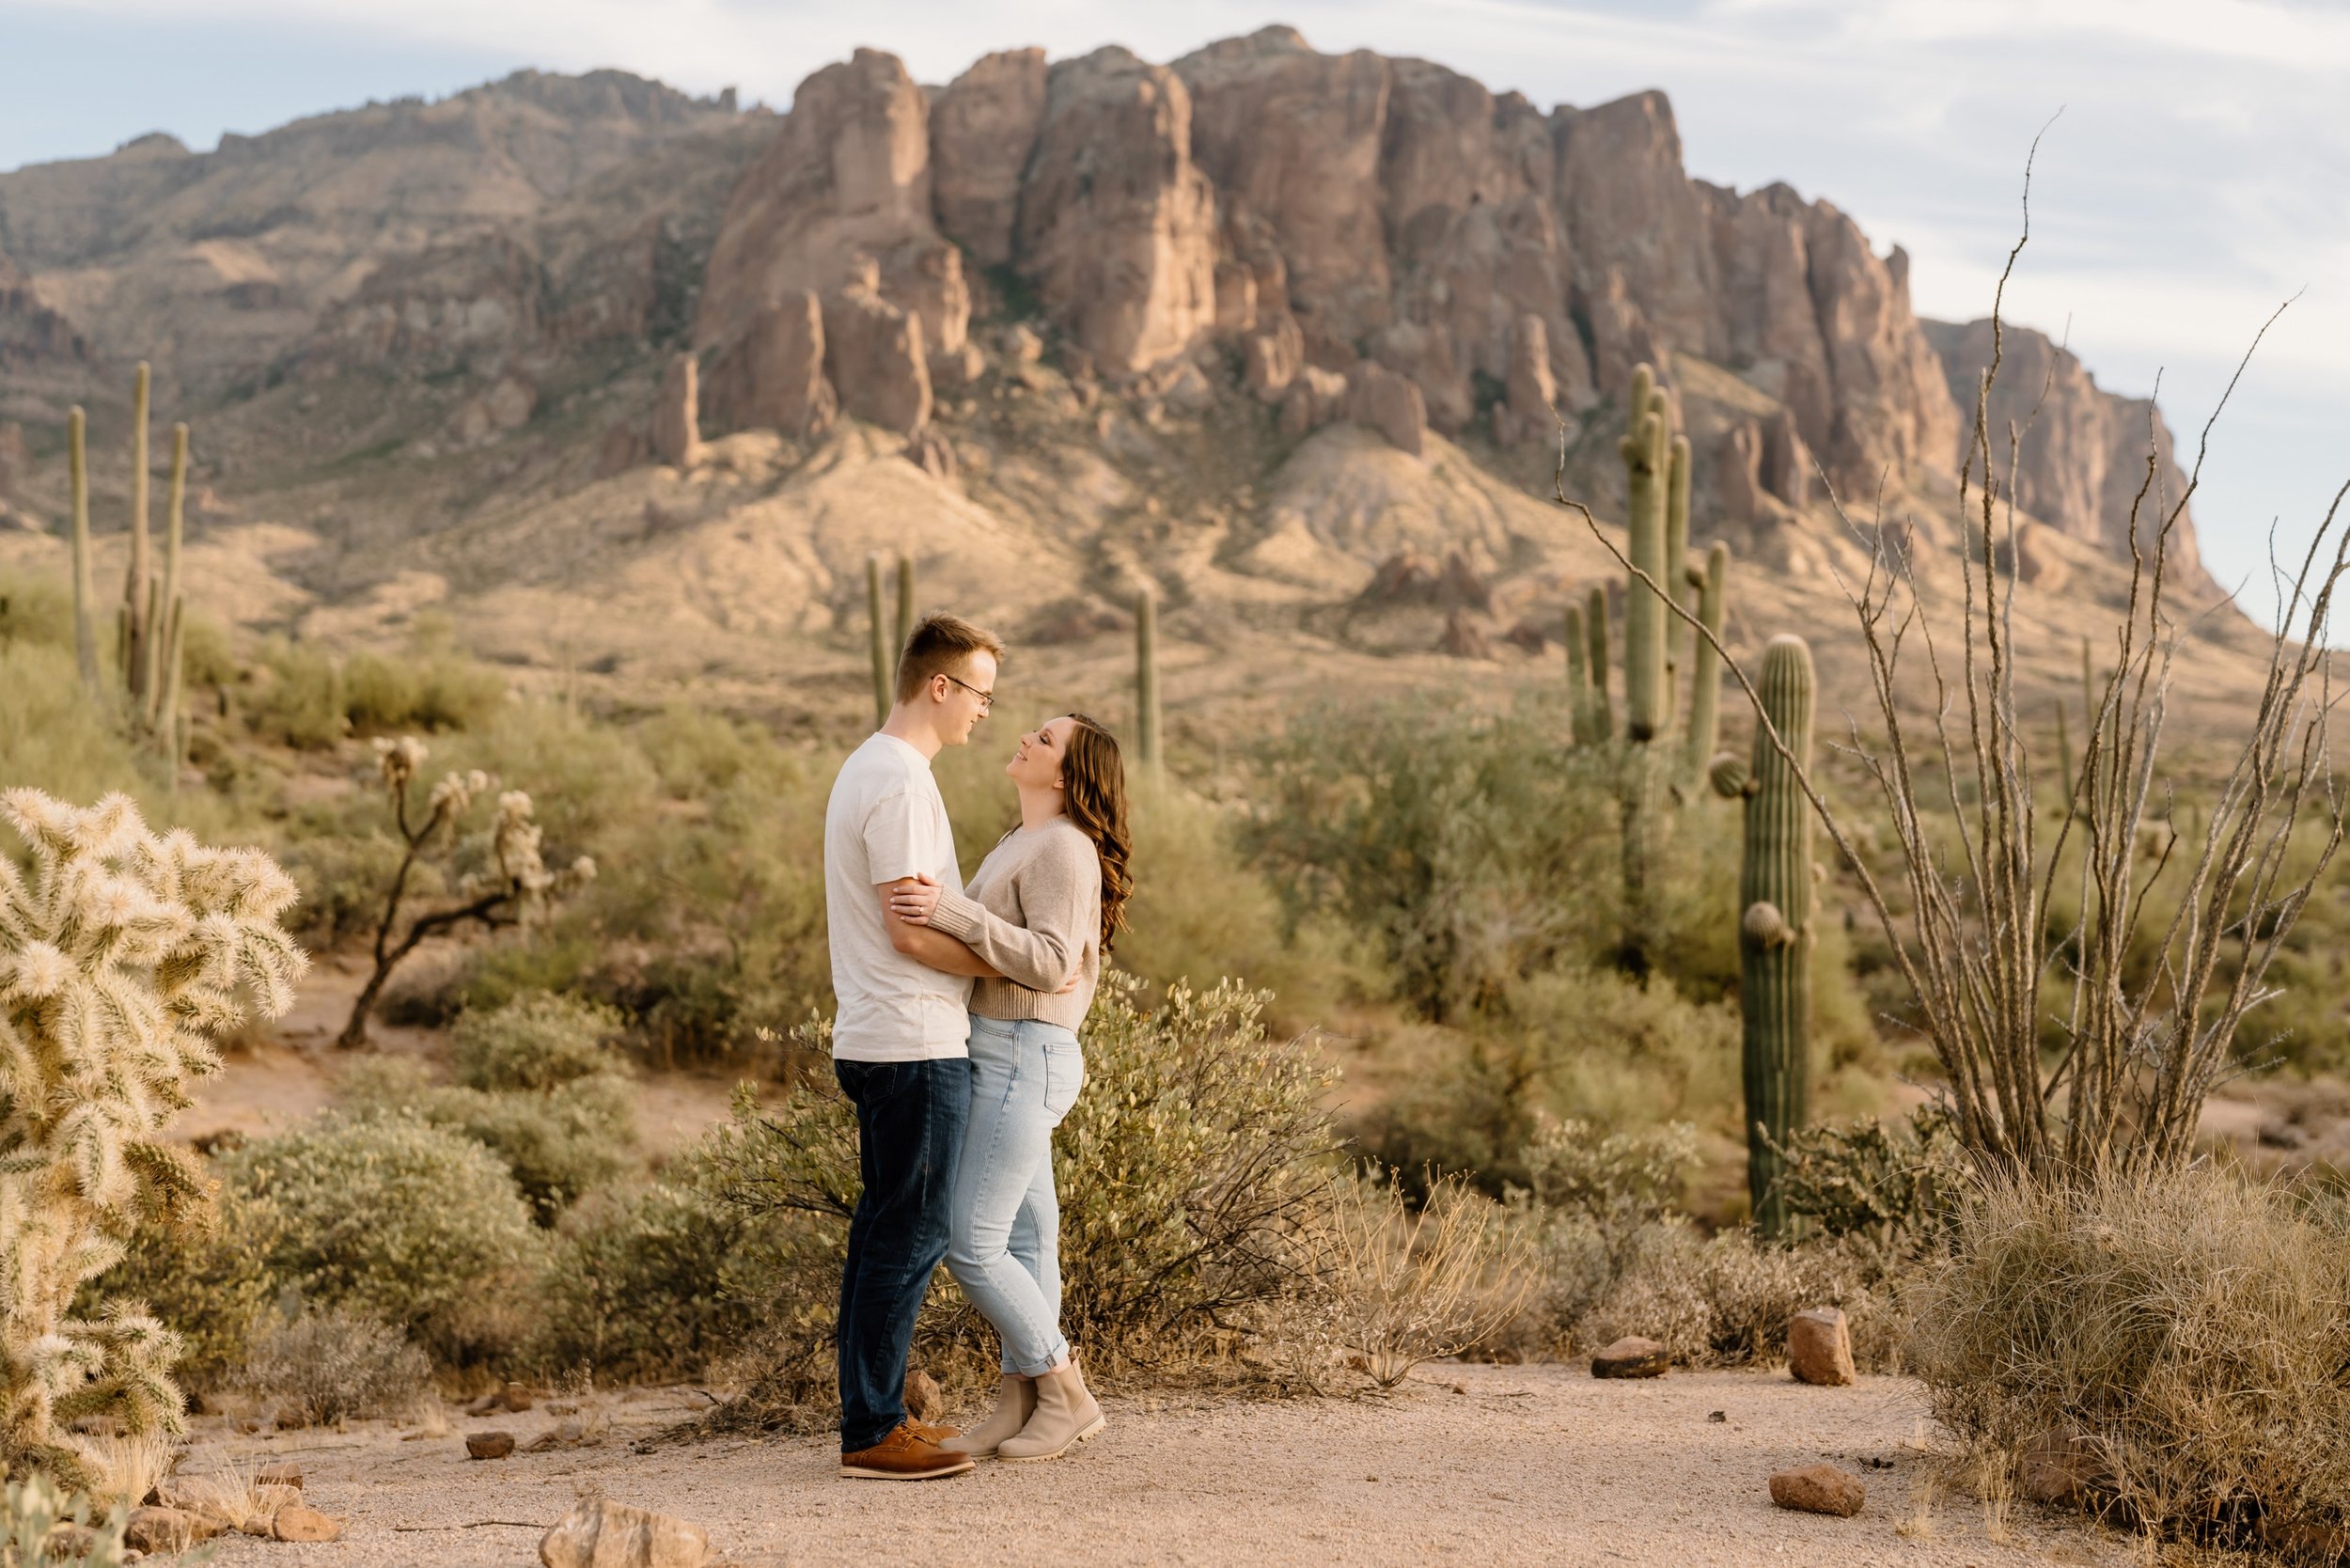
36, 610
389, 1216
557, 1143
1724, 1301
1892, 1188
1202, 907
2182, 1330
206, 1279
42, 1525
1190, 1172
696, 754
1444, 837
342, 878
53, 736
1409, 1282
659, 1281
537, 1041
588, 778
434, 691
294, 696
334, 1364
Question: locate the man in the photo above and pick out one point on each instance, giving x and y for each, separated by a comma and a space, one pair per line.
898, 1039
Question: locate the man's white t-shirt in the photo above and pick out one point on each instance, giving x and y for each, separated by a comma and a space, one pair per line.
886, 821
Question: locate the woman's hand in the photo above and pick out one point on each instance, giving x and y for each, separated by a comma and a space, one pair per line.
913, 900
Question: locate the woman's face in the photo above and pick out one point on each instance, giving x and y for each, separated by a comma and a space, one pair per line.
1036, 761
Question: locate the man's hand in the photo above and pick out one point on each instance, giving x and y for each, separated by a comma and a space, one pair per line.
913, 899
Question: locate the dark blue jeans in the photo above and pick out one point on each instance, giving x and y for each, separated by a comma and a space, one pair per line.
910, 1117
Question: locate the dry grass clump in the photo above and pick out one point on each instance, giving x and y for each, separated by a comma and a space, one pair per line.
2184, 1333
333, 1365
1724, 1301
1410, 1286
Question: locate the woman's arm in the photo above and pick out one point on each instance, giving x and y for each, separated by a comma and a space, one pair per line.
932, 949
1061, 894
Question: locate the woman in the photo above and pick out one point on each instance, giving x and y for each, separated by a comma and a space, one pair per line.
1042, 911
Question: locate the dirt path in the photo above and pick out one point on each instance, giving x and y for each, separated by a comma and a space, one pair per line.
1468, 1465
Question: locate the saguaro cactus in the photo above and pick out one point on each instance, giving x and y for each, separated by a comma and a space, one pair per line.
84, 589
140, 653
1147, 677
885, 677
164, 718
1705, 679
905, 600
1647, 455
1595, 627
1580, 712
1776, 936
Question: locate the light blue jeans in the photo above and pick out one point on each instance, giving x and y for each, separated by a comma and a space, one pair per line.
1003, 1243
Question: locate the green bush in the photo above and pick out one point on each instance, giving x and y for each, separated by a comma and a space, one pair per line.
537, 1041
295, 697
420, 691
660, 1281
557, 1143
53, 736
2176, 1339
389, 1216
208, 1280
35, 611
344, 879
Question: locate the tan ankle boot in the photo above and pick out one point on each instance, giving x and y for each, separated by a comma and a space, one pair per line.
1015, 1402
1065, 1414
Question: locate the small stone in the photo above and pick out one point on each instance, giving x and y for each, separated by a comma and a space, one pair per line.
297, 1523
279, 1475
561, 1408
166, 1529
1819, 1347
1717, 1415
489, 1445
1631, 1356
923, 1400
1819, 1489
600, 1534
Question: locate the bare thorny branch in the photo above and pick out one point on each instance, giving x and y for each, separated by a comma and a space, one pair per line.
2118, 1076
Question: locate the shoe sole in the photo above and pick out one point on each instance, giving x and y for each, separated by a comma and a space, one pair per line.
1090, 1433
859, 1472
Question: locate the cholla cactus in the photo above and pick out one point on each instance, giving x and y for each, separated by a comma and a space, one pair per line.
513, 889
123, 956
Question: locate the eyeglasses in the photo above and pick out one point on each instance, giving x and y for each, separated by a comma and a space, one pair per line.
987, 699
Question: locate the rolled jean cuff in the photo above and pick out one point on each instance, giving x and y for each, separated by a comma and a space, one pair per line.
1060, 1353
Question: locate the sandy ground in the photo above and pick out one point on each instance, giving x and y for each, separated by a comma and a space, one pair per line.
1467, 1465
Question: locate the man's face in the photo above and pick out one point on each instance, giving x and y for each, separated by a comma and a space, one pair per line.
969, 698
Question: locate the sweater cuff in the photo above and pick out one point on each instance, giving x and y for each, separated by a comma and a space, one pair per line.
957, 917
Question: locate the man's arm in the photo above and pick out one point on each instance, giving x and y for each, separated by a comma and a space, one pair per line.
933, 950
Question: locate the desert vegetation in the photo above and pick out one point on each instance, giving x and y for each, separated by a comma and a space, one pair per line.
1506, 1028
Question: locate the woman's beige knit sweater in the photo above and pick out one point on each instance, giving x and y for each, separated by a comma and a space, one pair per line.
1033, 910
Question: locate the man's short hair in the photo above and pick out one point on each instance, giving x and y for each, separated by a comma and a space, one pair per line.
941, 645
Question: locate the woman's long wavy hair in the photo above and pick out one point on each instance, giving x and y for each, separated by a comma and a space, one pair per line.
1093, 792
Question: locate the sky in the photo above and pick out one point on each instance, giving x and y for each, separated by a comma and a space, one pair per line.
2197, 173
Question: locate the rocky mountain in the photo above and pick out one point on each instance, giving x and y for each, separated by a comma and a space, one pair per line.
1263, 326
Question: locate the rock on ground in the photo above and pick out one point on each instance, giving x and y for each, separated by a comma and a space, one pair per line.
1819, 1489
1632, 1356
1819, 1347
600, 1534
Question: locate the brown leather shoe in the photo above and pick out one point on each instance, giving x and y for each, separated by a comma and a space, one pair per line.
931, 1433
905, 1454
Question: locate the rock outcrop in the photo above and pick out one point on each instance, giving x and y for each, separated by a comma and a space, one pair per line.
2083, 457
677, 438
1115, 223
983, 126
774, 376
873, 353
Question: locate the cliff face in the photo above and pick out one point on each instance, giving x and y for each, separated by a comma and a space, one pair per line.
1341, 238
378, 231
1320, 212
2081, 464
